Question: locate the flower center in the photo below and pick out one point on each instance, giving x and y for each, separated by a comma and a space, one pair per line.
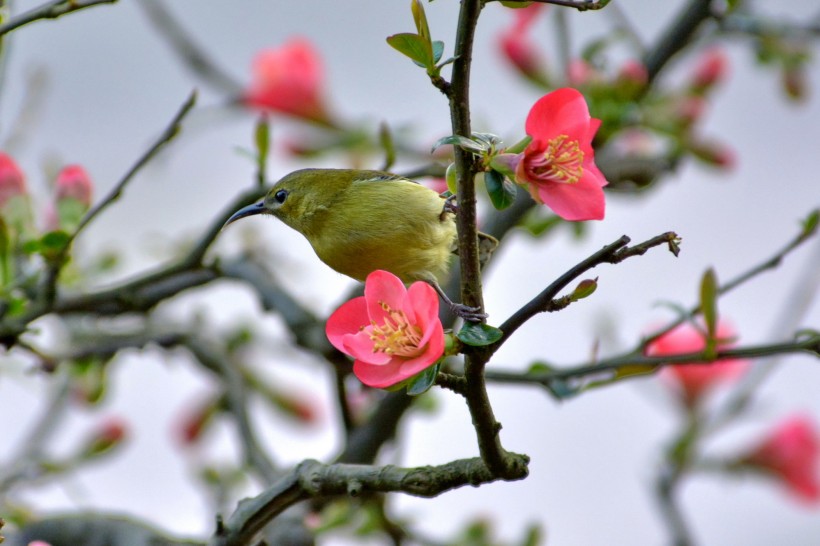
395, 336
562, 161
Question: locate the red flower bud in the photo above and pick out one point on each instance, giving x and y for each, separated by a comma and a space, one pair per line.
790, 453
289, 80
710, 69
693, 381
12, 180
109, 435
73, 182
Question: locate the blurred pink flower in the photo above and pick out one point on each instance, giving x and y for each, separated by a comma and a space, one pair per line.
633, 72
73, 182
710, 69
558, 166
693, 381
289, 80
790, 453
392, 332
517, 47
12, 180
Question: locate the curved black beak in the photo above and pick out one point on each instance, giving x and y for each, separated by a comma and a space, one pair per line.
250, 210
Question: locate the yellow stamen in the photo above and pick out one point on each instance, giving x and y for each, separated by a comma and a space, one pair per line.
563, 161
395, 336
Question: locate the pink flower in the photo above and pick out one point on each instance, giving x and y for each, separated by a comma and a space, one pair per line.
12, 180
694, 380
633, 72
289, 80
517, 47
790, 453
73, 182
711, 69
558, 166
392, 332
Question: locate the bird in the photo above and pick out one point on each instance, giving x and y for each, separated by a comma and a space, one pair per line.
359, 221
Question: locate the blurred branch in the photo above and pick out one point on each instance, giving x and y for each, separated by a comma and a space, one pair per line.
51, 10
613, 253
52, 272
312, 479
677, 36
187, 49
580, 5
636, 363
809, 230
237, 397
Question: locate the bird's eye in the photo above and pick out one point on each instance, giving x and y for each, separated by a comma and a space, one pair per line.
280, 196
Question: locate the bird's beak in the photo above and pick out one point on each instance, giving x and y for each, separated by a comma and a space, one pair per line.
250, 210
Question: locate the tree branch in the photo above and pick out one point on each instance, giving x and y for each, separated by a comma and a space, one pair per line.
51, 10
312, 479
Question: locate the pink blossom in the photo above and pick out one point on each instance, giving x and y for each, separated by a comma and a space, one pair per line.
710, 69
12, 180
73, 182
516, 45
392, 332
633, 72
289, 80
694, 380
790, 452
558, 166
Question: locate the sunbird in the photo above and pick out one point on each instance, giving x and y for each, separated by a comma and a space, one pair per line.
358, 221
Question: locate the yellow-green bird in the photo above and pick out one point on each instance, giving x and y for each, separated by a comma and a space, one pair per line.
358, 221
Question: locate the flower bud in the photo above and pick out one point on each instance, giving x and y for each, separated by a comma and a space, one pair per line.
790, 453
73, 182
110, 434
711, 69
12, 180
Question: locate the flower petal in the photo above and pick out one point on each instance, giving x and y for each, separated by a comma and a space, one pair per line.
360, 347
378, 376
349, 318
421, 304
383, 287
562, 112
583, 200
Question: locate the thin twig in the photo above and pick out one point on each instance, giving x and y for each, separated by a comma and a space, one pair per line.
51, 10
613, 253
677, 36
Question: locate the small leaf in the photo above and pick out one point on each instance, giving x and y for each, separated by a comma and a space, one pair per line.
537, 368
479, 334
53, 243
811, 222
451, 176
500, 189
261, 137
420, 19
422, 382
584, 289
413, 46
708, 303
519, 146
462, 142
438, 50
386, 141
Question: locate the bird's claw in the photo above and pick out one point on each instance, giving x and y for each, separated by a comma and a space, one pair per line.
450, 205
470, 314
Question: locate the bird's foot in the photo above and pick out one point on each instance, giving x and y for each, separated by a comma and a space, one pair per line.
470, 314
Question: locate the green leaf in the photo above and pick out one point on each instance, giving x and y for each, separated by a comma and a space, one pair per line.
462, 142
420, 19
584, 289
500, 189
519, 146
438, 50
811, 222
539, 368
479, 334
451, 176
261, 137
413, 46
708, 303
422, 382
53, 243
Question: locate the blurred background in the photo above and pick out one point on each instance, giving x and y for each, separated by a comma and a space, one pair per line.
109, 83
